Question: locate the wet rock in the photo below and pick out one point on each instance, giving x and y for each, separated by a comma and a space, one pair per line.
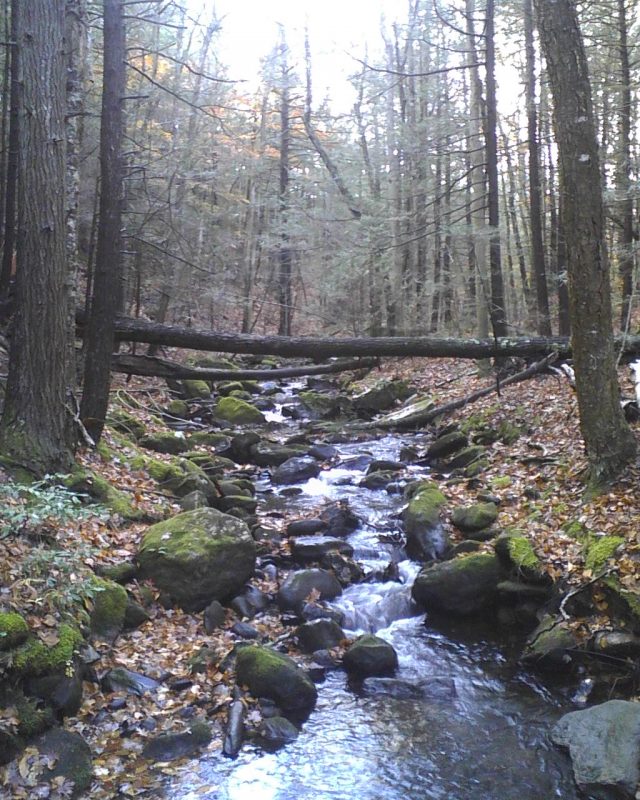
551, 645
319, 634
339, 519
370, 655
378, 480
305, 549
618, 644
604, 744
323, 452
242, 446
299, 585
234, 734
426, 538
384, 465
433, 689
275, 732
463, 587
267, 454
346, 570
198, 556
306, 527
250, 602
62, 692
214, 616
268, 673
121, 679
311, 611
446, 445
245, 631
471, 519
68, 757
296, 470
169, 746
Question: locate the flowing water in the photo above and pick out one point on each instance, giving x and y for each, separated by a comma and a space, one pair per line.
478, 731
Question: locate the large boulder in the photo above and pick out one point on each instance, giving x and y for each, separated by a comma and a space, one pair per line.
446, 445
270, 674
198, 556
426, 538
604, 743
370, 655
237, 412
299, 585
67, 756
319, 634
305, 549
463, 587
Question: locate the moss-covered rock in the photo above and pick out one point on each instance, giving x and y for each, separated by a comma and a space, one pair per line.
516, 554
447, 444
237, 412
195, 389
466, 457
13, 630
211, 465
124, 572
624, 602
225, 388
323, 406
125, 423
165, 442
218, 441
501, 482
178, 408
178, 475
551, 645
109, 608
599, 551
98, 488
382, 395
198, 556
29, 718
409, 415
168, 746
465, 586
268, 673
272, 454
35, 658
68, 756
426, 538
477, 517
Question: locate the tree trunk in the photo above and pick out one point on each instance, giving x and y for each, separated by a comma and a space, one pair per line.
285, 298
11, 189
36, 431
108, 270
609, 443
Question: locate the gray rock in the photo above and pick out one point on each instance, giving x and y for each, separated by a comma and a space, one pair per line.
465, 457
198, 556
134, 615
470, 519
426, 538
193, 500
305, 549
269, 454
370, 655
270, 674
446, 445
296, 470
299, 585
169, 746
214, 616
464, 586
305, 527
245, 631
319, 634
619, 644
62, 692
339, 519
275, 732
119, 679
69, 757
346, 570
604, 743
433, 689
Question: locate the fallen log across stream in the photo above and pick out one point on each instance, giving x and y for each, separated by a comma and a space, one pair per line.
136, 330
162, 368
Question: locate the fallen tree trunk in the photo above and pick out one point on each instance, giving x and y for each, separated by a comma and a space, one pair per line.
136, 330
396, 420
150, 366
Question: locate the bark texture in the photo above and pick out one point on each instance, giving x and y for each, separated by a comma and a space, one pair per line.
609, 443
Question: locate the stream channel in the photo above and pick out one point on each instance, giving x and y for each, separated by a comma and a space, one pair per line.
479, 733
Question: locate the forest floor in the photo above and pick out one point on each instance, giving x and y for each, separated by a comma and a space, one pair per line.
541, 493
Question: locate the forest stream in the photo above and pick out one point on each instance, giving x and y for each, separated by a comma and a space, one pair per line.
460, 720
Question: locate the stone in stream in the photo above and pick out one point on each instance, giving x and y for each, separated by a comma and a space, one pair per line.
296, 470
275, 732
319, 634
234, 734
340, 520
346, 570
305, 549
433, 689
550, 646
299, 585
370, 655
323, 452
267, 673
198, 556
604, 744
305, 527
464, 587
426, 538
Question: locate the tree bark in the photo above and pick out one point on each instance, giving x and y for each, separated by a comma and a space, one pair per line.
36, 431
609, 443
108, 270
11, 188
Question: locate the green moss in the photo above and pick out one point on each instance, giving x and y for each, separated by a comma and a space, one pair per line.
210, 464
13, 630
125, 423
474, 518
196, 390
508, 432
599, 551
425, 502
227, 387
207, 439
109, 607
178, 408
33, 719
501, 482
165, 442
104, 451
35, 658
516, 551
237, 412
101, 490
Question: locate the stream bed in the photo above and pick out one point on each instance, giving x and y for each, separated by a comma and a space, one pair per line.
480, 732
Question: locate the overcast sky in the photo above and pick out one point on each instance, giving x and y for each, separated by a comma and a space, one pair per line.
337, 29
